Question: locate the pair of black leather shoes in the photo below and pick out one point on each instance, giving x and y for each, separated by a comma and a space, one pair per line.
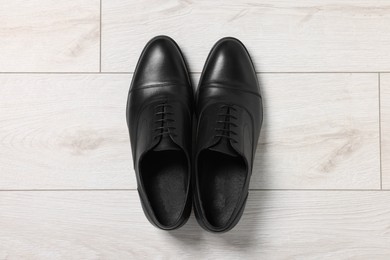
214, 137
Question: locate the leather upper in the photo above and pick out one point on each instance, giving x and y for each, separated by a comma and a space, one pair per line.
160, 81
228, 85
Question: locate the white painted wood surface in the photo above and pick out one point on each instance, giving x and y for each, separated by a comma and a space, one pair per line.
321, 184
275, 225
69, 132
64, 132
320, 132
385, 129
49, 35
281, 35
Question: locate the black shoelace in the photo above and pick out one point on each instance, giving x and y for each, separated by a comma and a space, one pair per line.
226, 122
163, 120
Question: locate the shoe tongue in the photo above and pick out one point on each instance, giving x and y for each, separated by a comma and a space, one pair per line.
166, 144
224, 146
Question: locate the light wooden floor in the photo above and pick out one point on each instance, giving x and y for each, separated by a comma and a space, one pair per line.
321, 184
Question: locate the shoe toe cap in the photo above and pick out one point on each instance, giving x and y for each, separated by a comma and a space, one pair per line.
230, 64
161, 62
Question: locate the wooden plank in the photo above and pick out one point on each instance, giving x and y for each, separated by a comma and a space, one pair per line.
64, 131
275, 225
69, 132
385, 129
49, 35
321, 131
282, 36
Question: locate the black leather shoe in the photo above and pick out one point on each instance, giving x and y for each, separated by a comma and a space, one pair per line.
229, 117
159, 116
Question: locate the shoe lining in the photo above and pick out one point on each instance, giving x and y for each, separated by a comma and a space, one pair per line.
221, 181
164, 177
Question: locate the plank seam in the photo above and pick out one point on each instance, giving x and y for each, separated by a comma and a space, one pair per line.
100, 37
192, 73
380, 131
304, 190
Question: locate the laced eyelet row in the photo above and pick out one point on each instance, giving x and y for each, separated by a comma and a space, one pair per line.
163, 120
226, 120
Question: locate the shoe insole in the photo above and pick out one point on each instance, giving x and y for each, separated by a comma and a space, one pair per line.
221, 180
164, 176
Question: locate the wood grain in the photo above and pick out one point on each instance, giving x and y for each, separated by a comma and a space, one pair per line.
275, 225
49, 35
321, 131
385, 129
282, 35
64, 131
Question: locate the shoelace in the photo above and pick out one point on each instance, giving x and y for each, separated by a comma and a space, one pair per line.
226, 119
163, 120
